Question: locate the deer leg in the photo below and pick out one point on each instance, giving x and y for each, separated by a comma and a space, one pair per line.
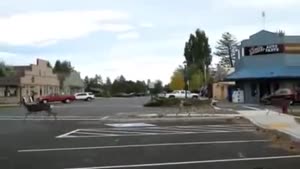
179, 110
188, 111
50, 112
26, 114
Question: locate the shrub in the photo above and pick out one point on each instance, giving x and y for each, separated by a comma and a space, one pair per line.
166, 102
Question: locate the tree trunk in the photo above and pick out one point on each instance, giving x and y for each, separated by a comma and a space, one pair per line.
230, 56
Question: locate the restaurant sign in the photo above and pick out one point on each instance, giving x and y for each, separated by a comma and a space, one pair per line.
264, 49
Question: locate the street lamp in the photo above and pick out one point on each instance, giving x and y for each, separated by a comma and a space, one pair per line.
185, 78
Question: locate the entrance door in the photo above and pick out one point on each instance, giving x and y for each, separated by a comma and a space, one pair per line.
264, 89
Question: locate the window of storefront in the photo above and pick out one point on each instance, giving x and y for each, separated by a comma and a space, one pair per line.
41, 91
46, 90
8, 91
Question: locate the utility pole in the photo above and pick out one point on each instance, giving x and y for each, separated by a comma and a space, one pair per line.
185, 78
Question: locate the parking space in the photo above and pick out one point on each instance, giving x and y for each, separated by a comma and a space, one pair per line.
160, 145
155, 130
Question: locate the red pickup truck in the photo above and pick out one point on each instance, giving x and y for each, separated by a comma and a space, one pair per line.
57, 98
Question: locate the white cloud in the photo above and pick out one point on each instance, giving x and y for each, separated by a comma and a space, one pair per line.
128, 35
146, 25
48, 27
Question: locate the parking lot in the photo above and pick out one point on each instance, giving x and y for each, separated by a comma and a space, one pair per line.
99, 144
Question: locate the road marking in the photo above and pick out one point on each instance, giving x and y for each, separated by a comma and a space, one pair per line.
241, 155
252, 108
154, 134
106, 117
130, 125
156, 130
191, 162
91, 131
144, 145
66, 134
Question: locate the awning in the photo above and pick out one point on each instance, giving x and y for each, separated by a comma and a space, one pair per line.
261, 73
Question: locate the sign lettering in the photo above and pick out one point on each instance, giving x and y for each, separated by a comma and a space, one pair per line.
265, 49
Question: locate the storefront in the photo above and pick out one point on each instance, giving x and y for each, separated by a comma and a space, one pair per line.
266, 62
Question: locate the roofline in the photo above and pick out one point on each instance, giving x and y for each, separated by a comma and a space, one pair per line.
260, 78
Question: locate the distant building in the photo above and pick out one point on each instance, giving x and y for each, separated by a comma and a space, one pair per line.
222, 90
73, 83
266, 62
37, 79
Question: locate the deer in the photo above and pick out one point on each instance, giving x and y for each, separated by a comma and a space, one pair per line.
34, 108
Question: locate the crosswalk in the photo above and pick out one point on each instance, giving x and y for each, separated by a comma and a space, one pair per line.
155, 130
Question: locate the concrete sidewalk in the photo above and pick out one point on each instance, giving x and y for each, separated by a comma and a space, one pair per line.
270, 119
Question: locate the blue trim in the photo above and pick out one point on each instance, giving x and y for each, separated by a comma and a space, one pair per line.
247, 73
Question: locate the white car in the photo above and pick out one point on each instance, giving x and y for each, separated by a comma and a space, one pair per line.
180, 94
84, 96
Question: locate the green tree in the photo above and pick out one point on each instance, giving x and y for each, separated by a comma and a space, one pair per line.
167, 88
119, 85
5, 70
225, 49
197, 50
197, 53
108, 81
177, 80
62, 69
49, 65
140, 87
158, 87
86, 83
122, 78
220, 73
107, 87
98, 80
196, 80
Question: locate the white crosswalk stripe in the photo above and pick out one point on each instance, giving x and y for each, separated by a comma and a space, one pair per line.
156, 130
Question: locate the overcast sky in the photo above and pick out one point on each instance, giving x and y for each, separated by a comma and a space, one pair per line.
140, 39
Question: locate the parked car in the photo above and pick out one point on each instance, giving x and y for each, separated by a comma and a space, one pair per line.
87, 96
56, 98
161, 95
284, 93
181, 94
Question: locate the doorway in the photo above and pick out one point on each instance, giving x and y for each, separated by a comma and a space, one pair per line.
264, 89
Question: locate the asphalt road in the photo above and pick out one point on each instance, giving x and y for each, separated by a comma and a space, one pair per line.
91, 144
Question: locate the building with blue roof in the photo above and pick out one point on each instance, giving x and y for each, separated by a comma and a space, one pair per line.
266, 62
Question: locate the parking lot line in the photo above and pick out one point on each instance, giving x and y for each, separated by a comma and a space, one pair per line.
106, 117
66, 134
152, 134
155, 130
191, 162
144, 145
103, 132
